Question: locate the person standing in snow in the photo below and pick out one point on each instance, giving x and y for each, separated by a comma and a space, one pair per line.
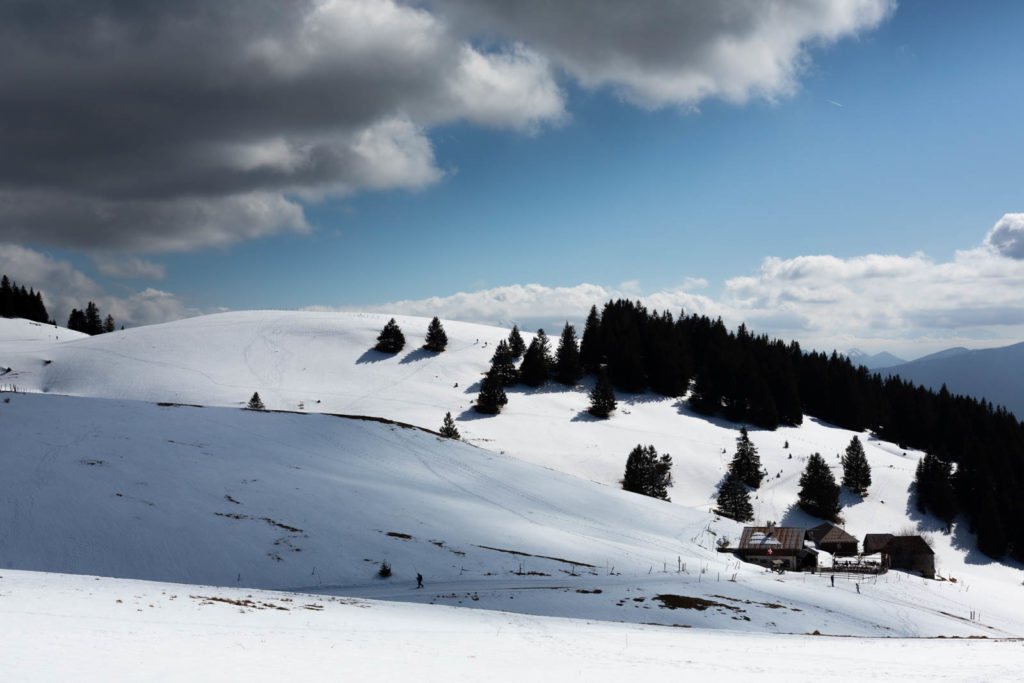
833, 580
419, 580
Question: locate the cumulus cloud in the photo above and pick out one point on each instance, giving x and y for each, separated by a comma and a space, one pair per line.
658, 53
163, 126
887, 301
533, 305
64, 287
902, 304
166, 126
1007, 236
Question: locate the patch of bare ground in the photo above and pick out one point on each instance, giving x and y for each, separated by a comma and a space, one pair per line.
687, 602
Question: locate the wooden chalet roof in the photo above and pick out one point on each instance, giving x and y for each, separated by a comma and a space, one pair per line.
777, 538
830, 533
911, 545
875, 543
887, 543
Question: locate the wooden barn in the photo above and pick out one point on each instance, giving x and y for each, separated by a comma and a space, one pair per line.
776, 547
833, 539
903, 552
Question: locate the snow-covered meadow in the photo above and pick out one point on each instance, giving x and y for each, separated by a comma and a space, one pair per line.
524, 517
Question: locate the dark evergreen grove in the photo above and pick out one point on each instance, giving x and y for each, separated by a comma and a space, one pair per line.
766, 382
648, 474
390, 339
856, 470
819, 493
89, 320
17, 302
436, 339
734, 500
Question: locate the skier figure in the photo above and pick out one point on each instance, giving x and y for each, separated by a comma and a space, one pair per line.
833, 580
858, 587
419, 580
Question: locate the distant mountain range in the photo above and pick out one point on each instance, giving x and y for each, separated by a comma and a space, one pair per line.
873, 361
997, 375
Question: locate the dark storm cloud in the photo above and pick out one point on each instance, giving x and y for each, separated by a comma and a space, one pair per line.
172, 125
167, 125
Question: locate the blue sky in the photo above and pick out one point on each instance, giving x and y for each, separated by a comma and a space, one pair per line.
901, 137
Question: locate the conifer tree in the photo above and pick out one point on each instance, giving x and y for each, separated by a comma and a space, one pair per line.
255, 403
533, 371
390, 339
503, 365
93, 324
108, 324
6, 298
746, 463
819, 493
436, 340
590, 346
856, 470
448, 428
492, 396
646, 473
734, 500
602, 396
76, 320
568, 370
516, 345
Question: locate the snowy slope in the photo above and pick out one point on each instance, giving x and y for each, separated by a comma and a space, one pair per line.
316, 362
81, 628
316, 503
323, 362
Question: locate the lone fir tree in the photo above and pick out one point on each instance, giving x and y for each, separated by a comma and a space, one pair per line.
746, 463
856, 470
734, 500
436, 340
648, 474
568, 369
819, 493
390, 339
516, 345
602, 396
492, 396
255, 403
448, 428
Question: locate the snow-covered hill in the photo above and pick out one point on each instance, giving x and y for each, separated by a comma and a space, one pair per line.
219, 495
317, 503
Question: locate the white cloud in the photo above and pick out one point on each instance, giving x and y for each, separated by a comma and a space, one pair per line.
1007, 236
909, 305
63, 288
657, 53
